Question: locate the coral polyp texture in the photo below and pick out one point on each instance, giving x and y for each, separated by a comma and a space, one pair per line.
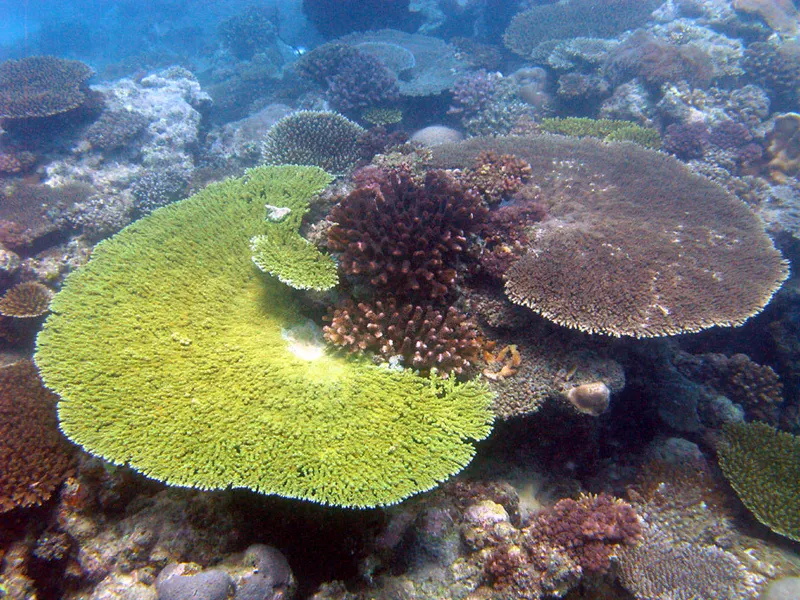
635, 244
425, 338
168, 352
25, 300
34, 457
41, 86
314, 138
763, 466
404, 237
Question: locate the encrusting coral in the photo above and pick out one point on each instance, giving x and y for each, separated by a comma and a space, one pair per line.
628, 254
34, 456
763, 466
168, 354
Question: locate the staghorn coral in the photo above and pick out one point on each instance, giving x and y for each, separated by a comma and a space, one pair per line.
528, 29
35, 457
590, 530
41, 86
618, 254
26, 300
424, 337
316, 138
763, 466
169, 356
404, 237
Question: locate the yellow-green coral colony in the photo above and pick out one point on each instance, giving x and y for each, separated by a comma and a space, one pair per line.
168, 354
763, 466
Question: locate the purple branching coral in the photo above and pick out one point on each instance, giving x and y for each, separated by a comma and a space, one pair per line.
354, 80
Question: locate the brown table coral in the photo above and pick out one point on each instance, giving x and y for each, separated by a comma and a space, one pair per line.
636, 244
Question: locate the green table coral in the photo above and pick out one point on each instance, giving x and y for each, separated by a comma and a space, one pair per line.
608, 130
168, 354
281, 250
763, 466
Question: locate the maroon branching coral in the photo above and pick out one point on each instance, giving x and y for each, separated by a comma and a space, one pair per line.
34, 457
497, 177
405, 238
41, 86
425, 337
590, 530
